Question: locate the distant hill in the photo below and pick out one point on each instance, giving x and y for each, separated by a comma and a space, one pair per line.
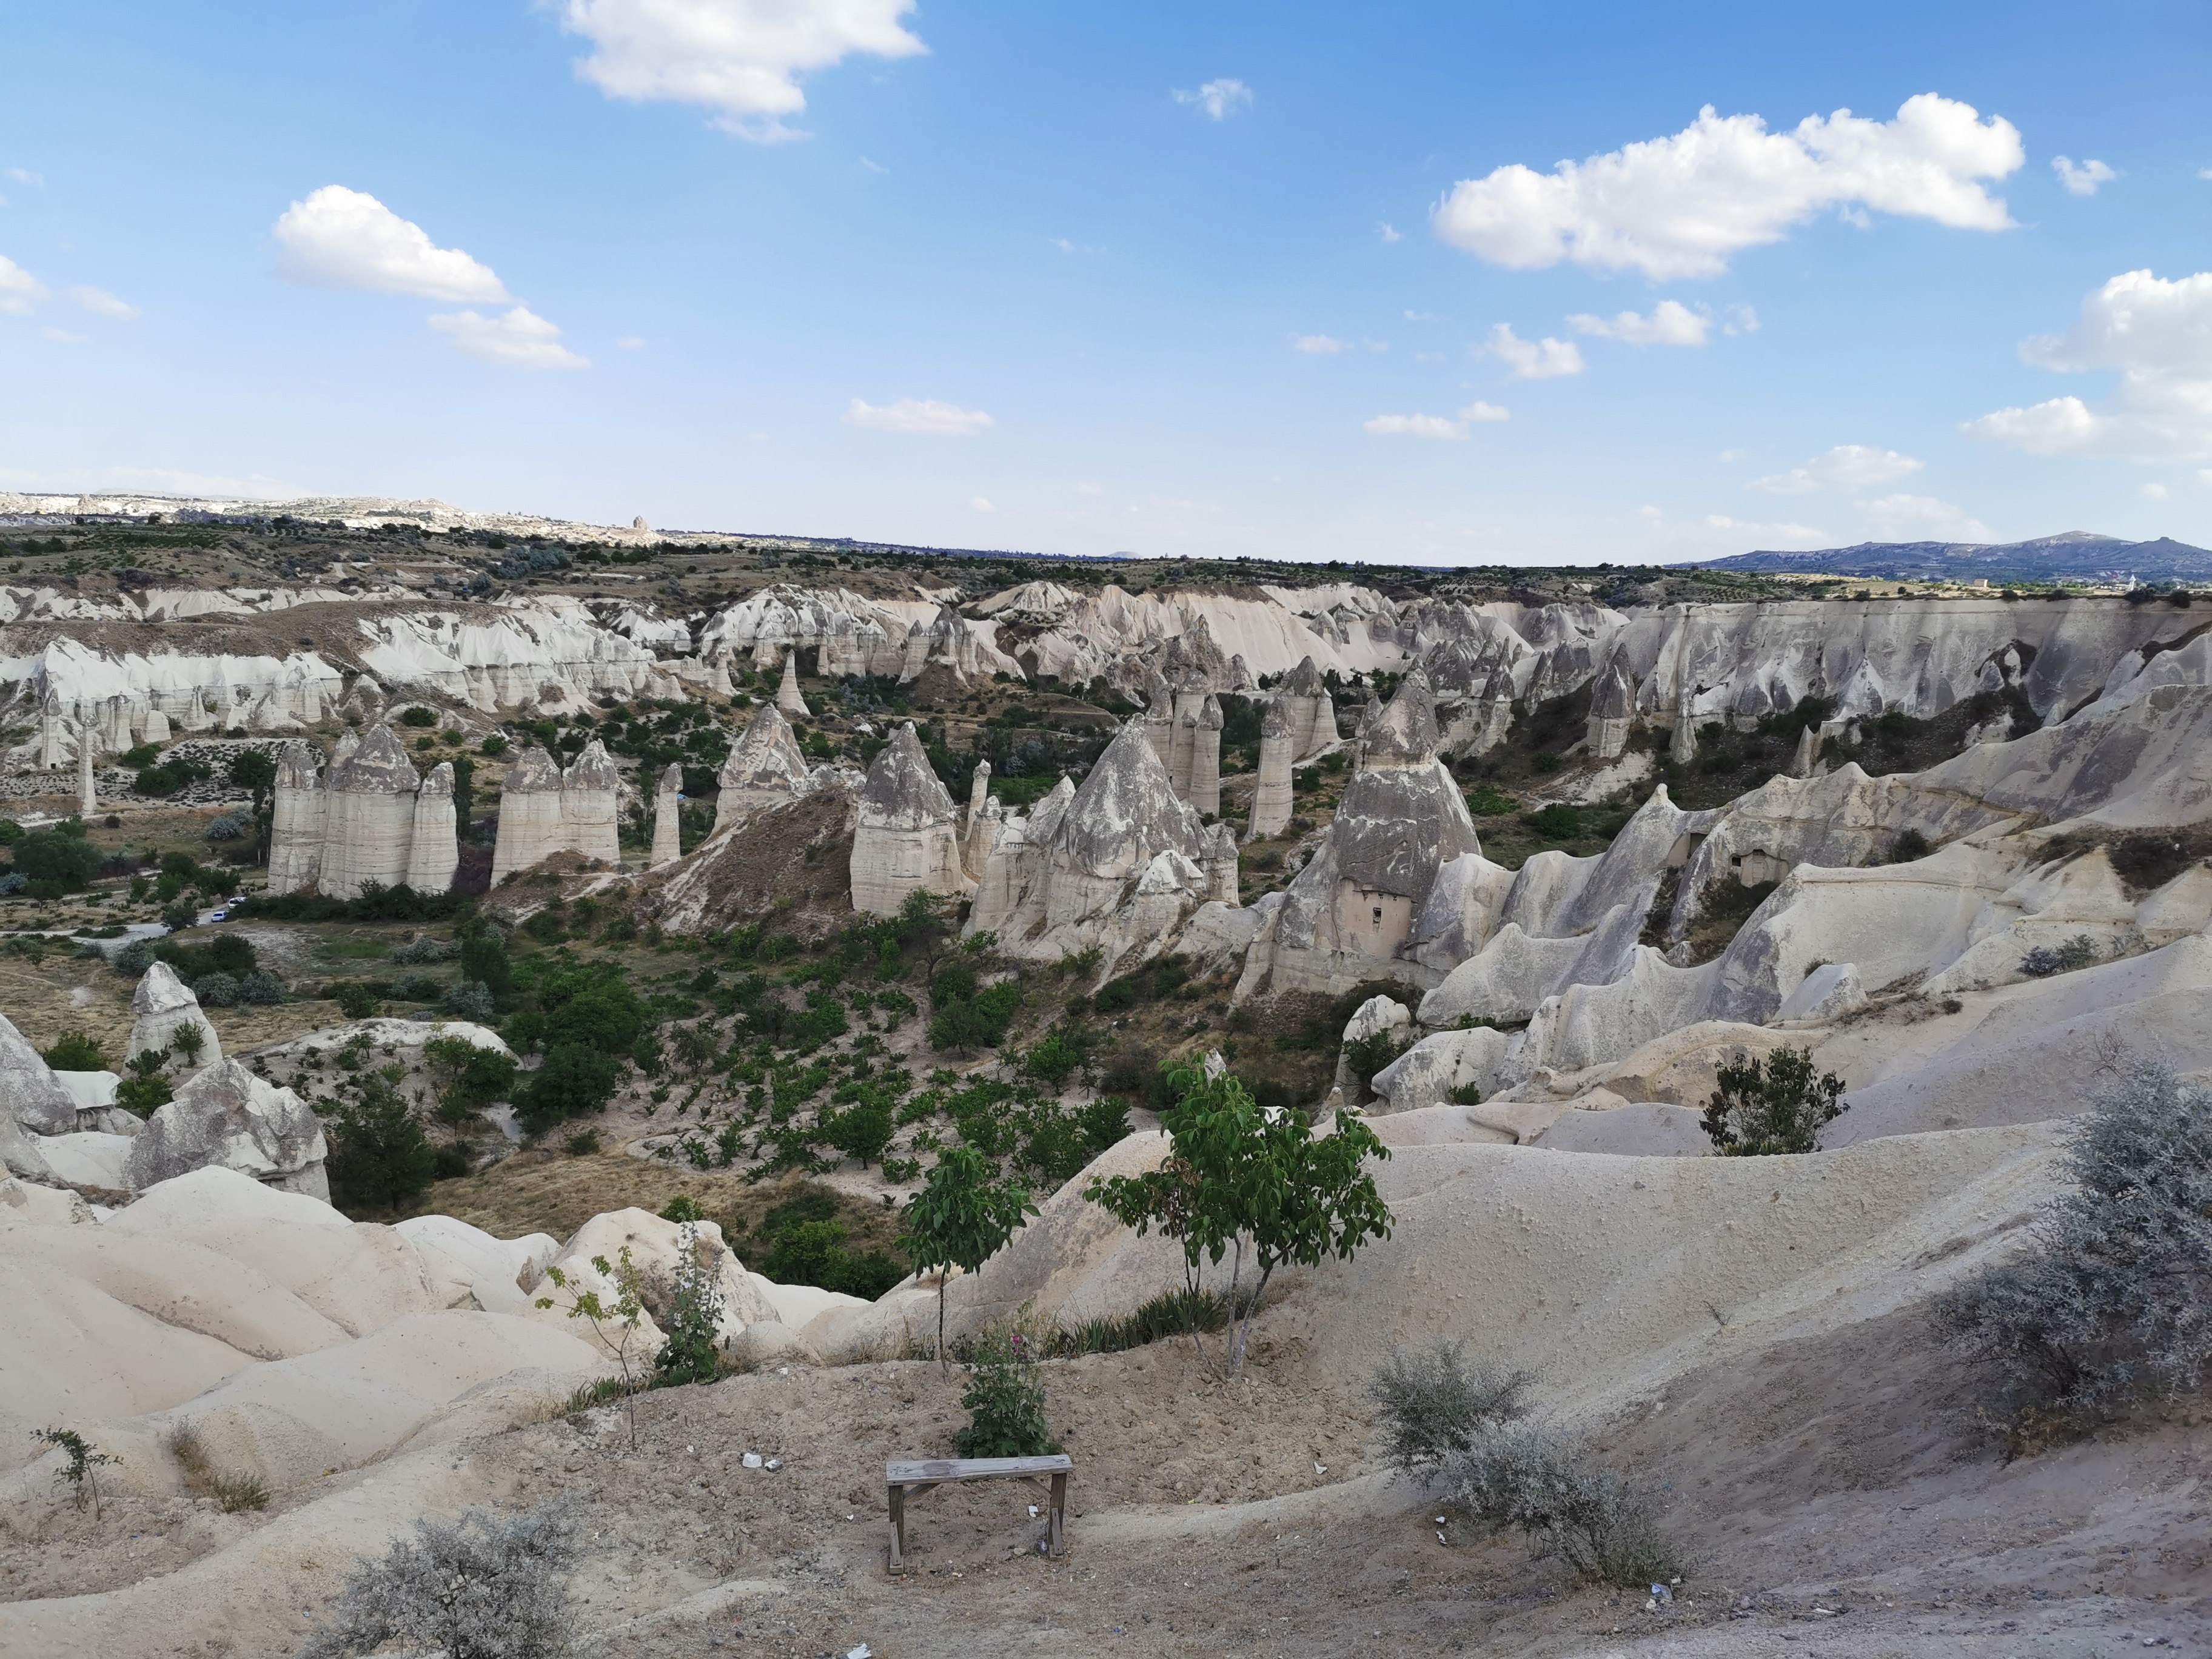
2077, 555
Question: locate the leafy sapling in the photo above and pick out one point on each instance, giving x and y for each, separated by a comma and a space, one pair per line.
1777, 1106
961, 1218
81, 1474
615, 1320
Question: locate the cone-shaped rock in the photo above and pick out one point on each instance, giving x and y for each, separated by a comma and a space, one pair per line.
908, 835
1205, 758
766, 769
529, 814
226, 1116
436, 852
297, 820
667, 806
369, 820
1613, 703
1271, 799
161, 1003
590, 801
787, 694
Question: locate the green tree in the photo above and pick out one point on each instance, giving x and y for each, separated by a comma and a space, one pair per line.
962, 1218
61, 855
1236, 1170
380, 1158
254, 770
1760, 1109
465, 792
484, 959
622, 1313
572, 1080
468, 1078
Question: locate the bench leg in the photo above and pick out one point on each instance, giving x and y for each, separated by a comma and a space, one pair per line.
1056, 1523
898, 1528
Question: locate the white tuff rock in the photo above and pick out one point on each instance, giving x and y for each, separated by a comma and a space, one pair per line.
160, 1005
226, 1116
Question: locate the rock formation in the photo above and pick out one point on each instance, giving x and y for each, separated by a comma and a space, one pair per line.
1309, 714
544, 811
161, 1003
908, 833
1271, 797
368, 818
1205, 792
765, 769
30, 1094
981, 828
1349, 914
667, 809
1120, 864
1612, 704
787, 694
87, 796
228, 1116
297, 820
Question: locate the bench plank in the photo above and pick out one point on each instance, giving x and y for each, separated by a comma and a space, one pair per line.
940, 1469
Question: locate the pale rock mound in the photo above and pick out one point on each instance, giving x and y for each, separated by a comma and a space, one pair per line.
159, 1006
908, 833
765, 770
654, 1245
30, 1091
226, 1115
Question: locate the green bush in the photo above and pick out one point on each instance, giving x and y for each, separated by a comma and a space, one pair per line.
694, 1307
61, 855
76, 1052
574, 1080
978, 1020
1558, 822
681, 1208
1761, 1110
1005, 1396
380, 1158
355, 1001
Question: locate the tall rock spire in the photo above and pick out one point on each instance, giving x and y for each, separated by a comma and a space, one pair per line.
907, 836
667, 808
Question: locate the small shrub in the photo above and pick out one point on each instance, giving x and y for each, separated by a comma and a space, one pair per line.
239, 1492
1558, 822
1484, 802
1005, 1396
1910, 844
380, 1158
216, 990
694, 1310
1432, 1405
2110, 1303
76, 1052
1543, 761
488, 1586
471, 999
419, 717
132, 961
1777, 1106
1374, 1053
354, 1001
423, 949
2044, 960
261, 989
683, 1208
1604, 1526
582, 1144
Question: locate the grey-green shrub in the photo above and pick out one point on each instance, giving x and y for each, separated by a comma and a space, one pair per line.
488, 1586
1432, 1403
2110, 1303
1537, 1482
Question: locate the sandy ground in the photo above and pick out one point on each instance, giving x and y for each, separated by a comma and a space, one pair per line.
1835, 1498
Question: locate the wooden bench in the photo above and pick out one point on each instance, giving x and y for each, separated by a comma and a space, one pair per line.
905, 1479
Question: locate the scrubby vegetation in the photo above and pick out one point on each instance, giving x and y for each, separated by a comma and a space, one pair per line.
1764, 1108
1005, 1394
1432, 1404
1537, 1481
487, 1586
2108, 1303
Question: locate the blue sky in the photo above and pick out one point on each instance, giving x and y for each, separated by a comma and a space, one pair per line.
1166, 279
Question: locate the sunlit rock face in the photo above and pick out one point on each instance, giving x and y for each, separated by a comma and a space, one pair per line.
1271, 796
765, 770
229, 1117
436, 853
543, 810
1119, 863
1613, 705
908, 833
160, 1005
1348, 915
368, 831
787, 698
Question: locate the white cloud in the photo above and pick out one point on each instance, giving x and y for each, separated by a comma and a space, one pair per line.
25, 176
1848, 466
341, 238
1719, 531
2084, 180
1089, 489
63, 337
19, 289
2158, 334
1740, 319
1534, 359
1390, 233
1671, 323
740, 58
518, 338
1420, 316
2153, 492
980, 504
1726, 455
1682, 206
630, 343
1924, 517
104, 304
875, 167
925, 415
1417, 426
1454, 430
1218, 99
1319, 345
